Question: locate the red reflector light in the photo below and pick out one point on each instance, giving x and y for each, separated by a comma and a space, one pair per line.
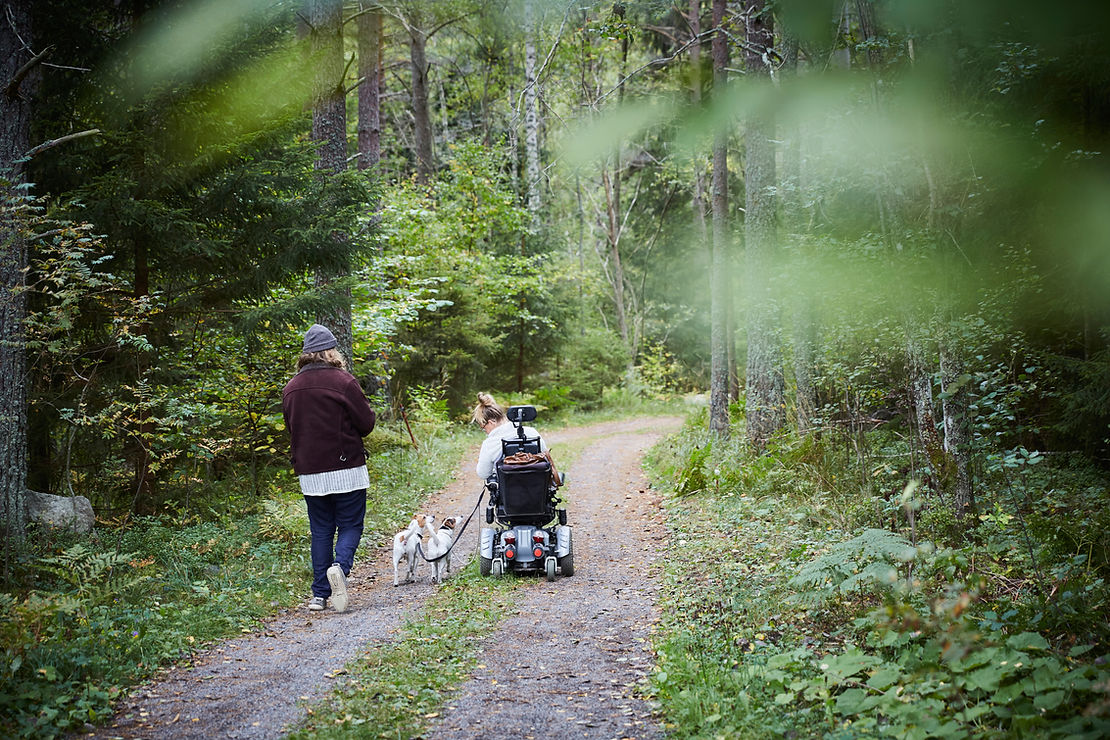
538, 552
510, 554
537, 538
510, 538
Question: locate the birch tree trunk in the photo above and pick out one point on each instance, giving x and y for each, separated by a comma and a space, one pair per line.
15, 121
329, 131
531, 118
718, 282
765, 402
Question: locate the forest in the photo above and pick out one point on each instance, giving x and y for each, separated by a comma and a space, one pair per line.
862, 247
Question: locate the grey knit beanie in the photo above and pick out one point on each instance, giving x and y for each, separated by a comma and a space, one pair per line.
318, 338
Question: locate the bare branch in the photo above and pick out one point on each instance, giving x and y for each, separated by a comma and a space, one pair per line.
66, 66
60, 140
12, 88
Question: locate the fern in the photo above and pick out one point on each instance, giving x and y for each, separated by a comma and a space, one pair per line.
283, 521
94, 577
862, 563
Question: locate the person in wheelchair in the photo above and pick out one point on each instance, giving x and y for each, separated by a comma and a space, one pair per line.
516, 467
490, 416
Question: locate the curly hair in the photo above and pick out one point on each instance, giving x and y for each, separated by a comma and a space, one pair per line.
330, 356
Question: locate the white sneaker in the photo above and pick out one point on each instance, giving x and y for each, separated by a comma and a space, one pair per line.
317, 604
338, 583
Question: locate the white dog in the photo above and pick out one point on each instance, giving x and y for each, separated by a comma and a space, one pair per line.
405, 543
439, 543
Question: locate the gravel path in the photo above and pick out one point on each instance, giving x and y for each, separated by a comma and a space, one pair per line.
565, 664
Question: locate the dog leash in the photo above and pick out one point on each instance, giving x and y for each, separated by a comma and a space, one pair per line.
458, 536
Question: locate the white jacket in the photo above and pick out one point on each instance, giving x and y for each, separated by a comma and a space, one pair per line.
491, 447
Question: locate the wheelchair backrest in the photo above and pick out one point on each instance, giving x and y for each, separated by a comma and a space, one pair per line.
524, 490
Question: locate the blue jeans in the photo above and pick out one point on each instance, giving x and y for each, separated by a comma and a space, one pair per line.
335, 524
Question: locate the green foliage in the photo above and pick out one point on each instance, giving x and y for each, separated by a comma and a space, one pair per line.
778, 622
586, 366
865, 562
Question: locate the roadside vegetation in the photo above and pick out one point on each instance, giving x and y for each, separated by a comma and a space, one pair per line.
796, 605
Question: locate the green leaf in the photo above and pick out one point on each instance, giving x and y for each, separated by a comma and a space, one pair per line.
884, 677
839, 667
851, 701
1028, 641
987, 678
1049, 701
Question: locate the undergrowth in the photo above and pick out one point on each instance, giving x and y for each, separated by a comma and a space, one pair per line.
800, 602
83, 618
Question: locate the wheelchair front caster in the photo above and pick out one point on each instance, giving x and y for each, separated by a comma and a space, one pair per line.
489, 515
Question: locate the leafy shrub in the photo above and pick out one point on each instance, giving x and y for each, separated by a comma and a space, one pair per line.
866, 562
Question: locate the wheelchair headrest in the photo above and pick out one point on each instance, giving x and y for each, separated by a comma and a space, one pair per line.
520, 414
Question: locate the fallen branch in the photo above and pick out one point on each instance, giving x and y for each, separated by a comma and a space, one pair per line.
60, 140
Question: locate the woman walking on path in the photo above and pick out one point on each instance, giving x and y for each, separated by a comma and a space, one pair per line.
327, 416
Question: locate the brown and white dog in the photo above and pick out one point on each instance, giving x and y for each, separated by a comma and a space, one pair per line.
439, 543
404, 546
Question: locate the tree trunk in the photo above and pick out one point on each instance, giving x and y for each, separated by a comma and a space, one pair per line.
531, 118
15, 121
955, 403
421, 115
765, 402
804, 319
329, 130
921, 396
718, 283
613, 236
370, 87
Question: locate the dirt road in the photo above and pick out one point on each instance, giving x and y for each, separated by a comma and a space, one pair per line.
565, 664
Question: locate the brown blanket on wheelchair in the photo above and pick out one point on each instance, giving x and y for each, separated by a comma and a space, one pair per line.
525, 459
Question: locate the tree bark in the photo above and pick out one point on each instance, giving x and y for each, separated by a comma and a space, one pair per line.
531, 118
613, 236
718, 283
421, 115
329, 130
957, 437
15, 122
765, 402
370, 86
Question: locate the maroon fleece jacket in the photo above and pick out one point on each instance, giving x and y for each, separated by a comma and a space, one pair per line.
327, 416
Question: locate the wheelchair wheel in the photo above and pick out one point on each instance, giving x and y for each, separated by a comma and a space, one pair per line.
484, 565
497, 568
549, 569
566, 564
